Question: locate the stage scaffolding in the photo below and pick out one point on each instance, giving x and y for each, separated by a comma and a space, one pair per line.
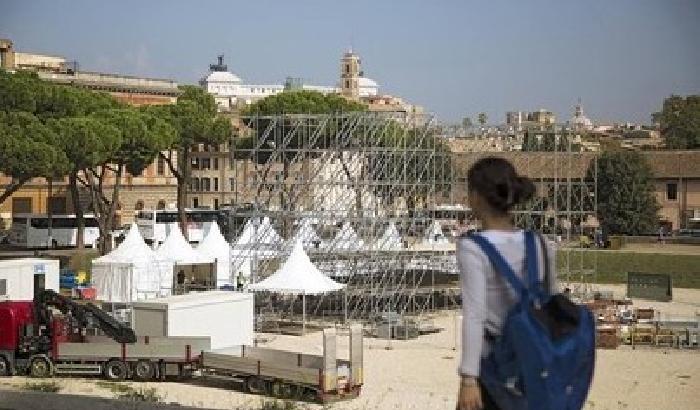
353, 176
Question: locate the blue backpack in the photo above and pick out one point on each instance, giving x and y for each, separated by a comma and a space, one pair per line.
545, 355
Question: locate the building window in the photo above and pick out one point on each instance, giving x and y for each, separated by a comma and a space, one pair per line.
347, 83
216, 184
195, 163
206, 163
216, 163
206, 184
195, 202
161, 204
216, 203
194, 184
139, 205
232, 181
160, 166
3, 287
672, 191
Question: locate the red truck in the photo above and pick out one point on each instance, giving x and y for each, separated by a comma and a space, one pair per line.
35, 340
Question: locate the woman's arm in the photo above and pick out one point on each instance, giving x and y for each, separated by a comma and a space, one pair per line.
472, 267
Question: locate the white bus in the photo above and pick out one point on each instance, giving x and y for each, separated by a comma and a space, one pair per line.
32, 231
155, 225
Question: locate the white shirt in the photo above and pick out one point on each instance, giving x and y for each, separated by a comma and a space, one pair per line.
486, 295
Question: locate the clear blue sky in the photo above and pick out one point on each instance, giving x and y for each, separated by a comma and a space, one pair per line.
621, 57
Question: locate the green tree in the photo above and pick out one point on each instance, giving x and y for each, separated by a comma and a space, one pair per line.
196, 122
626, 201
141, 138
87, 143
680, 121
27, 151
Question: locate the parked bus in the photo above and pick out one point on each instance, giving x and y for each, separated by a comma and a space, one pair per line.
155, 225
32, 231
449, 216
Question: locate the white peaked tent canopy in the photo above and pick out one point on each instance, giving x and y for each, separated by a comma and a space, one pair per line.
178, 251
306, 235
434, 234
214, 245
298, 276
347, 239
262, 234
254, 243
390, 239
130, 272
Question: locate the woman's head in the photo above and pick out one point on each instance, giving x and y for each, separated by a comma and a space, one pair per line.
495, 187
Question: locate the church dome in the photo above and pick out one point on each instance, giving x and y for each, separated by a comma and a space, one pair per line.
222, 77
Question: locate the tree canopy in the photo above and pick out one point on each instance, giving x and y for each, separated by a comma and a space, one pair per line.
195, 121
626, 201
55, 130
303, 102
680, 121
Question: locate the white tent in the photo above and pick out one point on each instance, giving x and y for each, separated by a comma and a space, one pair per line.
258, 233
347, 239
258, 241
434, 235
390, 239
306, 235
298, 276
178, 251
214, 245
130, 272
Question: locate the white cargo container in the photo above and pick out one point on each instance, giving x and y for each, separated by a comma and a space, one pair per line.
225, 316
20, 277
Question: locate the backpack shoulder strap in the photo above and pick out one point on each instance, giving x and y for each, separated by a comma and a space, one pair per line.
534, 283
499, 263
545, 261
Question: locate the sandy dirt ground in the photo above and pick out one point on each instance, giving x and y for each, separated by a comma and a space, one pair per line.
421, 373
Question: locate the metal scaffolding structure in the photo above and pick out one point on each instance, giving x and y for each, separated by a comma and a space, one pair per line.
357, 189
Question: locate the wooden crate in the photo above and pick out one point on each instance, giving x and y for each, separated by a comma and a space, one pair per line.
607, 337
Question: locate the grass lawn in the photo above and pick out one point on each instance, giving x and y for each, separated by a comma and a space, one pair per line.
612, 266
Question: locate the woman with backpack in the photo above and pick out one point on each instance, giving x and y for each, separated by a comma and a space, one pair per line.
490, 299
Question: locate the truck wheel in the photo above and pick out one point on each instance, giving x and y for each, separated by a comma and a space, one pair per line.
144, 370
115, 370
4, 367
40, 367
255, 385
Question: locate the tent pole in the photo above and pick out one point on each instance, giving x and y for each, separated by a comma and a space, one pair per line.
303, 313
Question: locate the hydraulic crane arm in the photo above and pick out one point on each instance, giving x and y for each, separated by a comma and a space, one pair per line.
86, 315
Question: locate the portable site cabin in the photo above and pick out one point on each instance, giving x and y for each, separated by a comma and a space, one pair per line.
21, 278
130, 272
225, 316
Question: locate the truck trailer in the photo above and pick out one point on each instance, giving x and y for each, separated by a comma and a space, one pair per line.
84, 340
35, 340
294, 375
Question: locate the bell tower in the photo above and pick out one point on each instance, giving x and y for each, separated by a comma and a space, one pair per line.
350, 73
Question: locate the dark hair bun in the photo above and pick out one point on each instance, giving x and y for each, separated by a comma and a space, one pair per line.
523, 189
497, 181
